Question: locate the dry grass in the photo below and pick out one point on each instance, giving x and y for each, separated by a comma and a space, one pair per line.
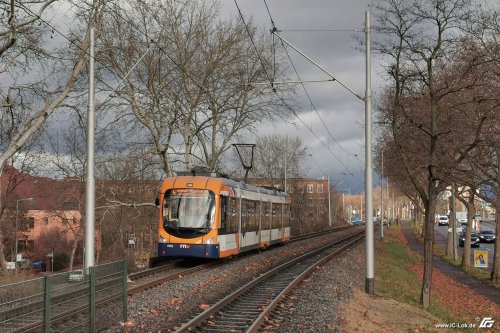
395, 307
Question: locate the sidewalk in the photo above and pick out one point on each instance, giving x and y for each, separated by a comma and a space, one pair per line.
453, 272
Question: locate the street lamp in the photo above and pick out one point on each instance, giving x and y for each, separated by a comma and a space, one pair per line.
17, 224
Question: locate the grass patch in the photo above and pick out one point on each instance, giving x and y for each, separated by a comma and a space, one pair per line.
393, 277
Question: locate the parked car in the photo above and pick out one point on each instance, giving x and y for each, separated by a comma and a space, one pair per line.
461, 220
487, 236
357, 222
443, 220
474, 239
76, 275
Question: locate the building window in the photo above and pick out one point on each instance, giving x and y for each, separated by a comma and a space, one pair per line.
309, 188
70, 205
320, 188
31, 223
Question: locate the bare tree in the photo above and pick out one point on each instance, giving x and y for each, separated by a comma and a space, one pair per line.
420, 37
278, 156
28, 102
485, 29
188, 91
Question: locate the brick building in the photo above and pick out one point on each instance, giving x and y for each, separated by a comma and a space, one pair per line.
42, 215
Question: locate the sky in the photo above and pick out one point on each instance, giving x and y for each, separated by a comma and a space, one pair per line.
325, 31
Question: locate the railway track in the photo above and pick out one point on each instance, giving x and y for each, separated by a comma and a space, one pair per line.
71, 302
246, 309
153, 277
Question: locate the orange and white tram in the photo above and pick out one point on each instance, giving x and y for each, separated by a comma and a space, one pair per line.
215, 217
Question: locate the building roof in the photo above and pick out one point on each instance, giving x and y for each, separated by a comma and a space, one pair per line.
46, 193
59, 194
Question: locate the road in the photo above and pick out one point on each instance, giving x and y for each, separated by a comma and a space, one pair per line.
441, 237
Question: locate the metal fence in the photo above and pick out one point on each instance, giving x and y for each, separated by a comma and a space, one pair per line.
77, 301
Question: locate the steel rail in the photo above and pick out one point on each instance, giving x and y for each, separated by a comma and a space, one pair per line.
144, 274
171, 276
33, 307
247, 314
270, 308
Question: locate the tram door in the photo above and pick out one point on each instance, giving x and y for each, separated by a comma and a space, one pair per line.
244, 229
250, 211
266, 223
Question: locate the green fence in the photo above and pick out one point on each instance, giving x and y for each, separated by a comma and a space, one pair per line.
77, 301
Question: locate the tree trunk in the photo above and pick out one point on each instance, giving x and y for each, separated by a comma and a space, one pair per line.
430, 212
495, 271
3, 262
187, 153
73, 252
451, 228
471, 211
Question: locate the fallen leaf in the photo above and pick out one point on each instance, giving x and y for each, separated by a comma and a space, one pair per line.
203, 306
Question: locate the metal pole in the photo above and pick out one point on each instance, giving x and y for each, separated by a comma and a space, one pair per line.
361, 210
17, 226
90, 182
350, 207
286, 147
393, 206
370, 248
329, 205
343, 206
382, 199
454, 221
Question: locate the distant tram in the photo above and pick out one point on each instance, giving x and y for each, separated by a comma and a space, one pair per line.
210, 216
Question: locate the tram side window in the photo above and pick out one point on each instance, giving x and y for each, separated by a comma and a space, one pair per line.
277, 216
253, 213
280, 215
266, 215
224, 215
233, 215
244, 216
286, 216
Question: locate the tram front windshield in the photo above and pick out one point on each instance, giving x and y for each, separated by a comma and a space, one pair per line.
188, 209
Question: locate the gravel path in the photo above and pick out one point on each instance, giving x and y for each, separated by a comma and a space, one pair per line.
166, 307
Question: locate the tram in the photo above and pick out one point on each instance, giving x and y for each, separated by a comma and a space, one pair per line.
207, 215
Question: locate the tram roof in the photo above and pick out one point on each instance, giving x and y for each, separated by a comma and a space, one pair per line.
235, 184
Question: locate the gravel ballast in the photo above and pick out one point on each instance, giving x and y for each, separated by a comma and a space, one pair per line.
313, 306
166, 307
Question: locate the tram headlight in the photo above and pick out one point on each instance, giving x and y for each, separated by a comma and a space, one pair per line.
210, 241
162, 240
